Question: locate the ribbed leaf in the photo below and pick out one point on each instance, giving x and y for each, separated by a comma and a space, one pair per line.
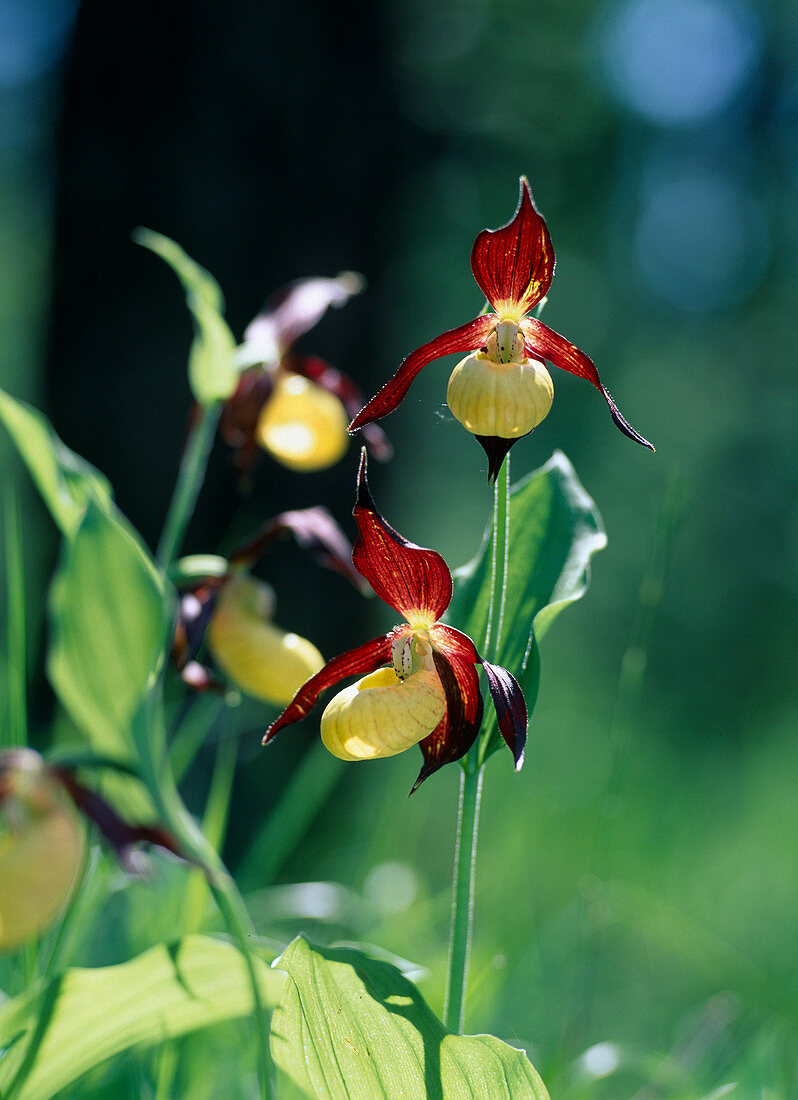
555, 528
109, 611
65, 481
348, 1025
66, 1026
212, 370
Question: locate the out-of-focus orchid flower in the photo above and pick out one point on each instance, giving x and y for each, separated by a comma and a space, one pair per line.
428, 694
296, 407
42, 841
234, 612
42, 847
502, 390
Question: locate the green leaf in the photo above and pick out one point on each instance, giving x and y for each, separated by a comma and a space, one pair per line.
555, 528
65, 481
347, 1025
110, 611
212, 369
66, 1026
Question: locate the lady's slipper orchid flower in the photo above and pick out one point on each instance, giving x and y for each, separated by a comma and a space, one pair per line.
420, 681
42, 847
295, 407
502, 390
233, 611
43, 841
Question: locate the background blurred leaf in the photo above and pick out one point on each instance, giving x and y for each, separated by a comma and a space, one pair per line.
555, 528
347, 1025
212, 370
66, 481
109, 611
62, 1028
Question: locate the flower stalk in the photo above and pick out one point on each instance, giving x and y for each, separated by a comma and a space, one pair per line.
189, 481
465, 855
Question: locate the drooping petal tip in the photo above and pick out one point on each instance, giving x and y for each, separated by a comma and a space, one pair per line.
356, 662
544, 343
467, 337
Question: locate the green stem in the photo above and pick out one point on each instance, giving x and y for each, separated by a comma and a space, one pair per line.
150, 736
189, 482
471, 780
462, 898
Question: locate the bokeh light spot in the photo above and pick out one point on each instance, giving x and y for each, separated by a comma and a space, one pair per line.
701, 241
680, 62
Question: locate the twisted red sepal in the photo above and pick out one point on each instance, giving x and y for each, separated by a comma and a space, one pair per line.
240, 414
457, 730
315, 531
541, 342
120, 834
292, 311
342, 387
407, 577
515, 264
356, 662
508, 699
468, 337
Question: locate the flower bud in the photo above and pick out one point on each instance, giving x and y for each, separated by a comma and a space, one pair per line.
499, 399
41, 847
263, 660
382, 715
302, 425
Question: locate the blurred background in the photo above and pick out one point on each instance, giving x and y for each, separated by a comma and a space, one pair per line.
638, 881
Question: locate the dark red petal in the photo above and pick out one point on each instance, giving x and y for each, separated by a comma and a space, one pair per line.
356, 662
240, 415
541, 342
314, 529
508, 699
295, 309
409, 578
457, 730
468, 337
122, 836
332, 380
454, 644
515, 264
194, 612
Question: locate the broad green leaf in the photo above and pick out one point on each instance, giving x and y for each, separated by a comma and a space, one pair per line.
66, 1026
109, 612
65, 481
348, 1025
212, 369
554, 530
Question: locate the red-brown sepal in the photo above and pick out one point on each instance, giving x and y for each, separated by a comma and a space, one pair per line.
514, 265
293, 310
194, 612
120, 834
508, 699
468, 337
342, 387
240, 414
457, 730
315, 531
410, 579
355, 662
541, 342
